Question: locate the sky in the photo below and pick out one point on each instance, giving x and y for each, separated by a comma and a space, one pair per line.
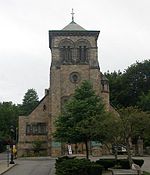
25, 56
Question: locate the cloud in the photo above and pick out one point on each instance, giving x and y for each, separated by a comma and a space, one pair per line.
25, 57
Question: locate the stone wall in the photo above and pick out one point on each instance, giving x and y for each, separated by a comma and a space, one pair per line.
39, 115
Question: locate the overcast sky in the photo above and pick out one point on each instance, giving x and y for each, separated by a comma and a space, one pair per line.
24, 54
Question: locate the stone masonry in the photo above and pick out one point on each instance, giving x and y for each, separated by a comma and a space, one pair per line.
74, 59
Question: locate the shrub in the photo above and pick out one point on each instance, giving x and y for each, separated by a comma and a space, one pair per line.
72, 167
139, 162
77, 167
95, 169
37, 145
123, 163
106, 163
60, 159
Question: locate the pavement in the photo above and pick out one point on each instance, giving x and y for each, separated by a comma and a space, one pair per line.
5, 167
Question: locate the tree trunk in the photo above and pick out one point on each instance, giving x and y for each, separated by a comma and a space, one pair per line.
116, 155
87, 149
129, 151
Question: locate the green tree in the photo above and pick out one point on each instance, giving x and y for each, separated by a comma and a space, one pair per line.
30, 101
116, 88
127, 87
134, 123
136, 81
9, 113
80, 117
112, 132
128, 126
144, 101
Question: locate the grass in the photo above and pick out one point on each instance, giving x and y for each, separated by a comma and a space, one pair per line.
146, 173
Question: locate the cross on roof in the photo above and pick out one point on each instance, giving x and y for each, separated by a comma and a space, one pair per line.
72, 13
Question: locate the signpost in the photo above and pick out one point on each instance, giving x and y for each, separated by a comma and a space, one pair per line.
8, 148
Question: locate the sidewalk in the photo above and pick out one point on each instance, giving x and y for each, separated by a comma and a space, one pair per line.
4, 167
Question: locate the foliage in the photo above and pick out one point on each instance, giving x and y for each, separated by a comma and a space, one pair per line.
144, 101
116, 88
95, 169
120, 163
106, 163
146, 173
127, 87
30, 101
72, 167
134, 124
123, 163
131, 124
61, 159
9, 113
139, 162
112, 123
77, 166
37, 145
81, 117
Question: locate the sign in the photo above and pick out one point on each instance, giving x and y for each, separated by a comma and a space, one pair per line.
69, 149
56, 144
96, 144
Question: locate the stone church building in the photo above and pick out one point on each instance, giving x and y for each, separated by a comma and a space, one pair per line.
74, 55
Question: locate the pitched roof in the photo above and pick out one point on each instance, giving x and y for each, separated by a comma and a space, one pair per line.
73, 26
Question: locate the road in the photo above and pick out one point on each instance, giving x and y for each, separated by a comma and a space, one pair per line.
45, 165
32, 167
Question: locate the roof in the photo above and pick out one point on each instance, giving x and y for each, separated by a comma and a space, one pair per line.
73, 26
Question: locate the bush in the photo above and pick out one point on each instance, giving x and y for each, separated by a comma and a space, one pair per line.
60, 159
95, 169
123, 163
77, 167
106, 163
72, 167
139, 162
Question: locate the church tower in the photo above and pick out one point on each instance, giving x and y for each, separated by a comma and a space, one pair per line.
74, 59
74, 55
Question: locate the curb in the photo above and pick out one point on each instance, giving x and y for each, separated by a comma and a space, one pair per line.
7, 169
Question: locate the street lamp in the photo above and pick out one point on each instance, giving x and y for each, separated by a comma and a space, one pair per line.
11, 145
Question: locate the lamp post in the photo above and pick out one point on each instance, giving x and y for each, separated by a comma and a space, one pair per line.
11, 145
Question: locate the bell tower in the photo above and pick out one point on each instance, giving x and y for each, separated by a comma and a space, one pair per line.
74, 59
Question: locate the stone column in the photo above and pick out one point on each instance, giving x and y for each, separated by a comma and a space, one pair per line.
140, 146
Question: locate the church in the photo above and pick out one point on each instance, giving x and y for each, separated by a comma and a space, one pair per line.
74, 58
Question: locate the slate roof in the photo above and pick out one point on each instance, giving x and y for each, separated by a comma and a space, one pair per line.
73, 26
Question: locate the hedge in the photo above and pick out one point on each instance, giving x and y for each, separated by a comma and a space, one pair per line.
69, 166
106, 163
121, 163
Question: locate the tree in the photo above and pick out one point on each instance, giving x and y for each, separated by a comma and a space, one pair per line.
30, 101
116, 88
80, 117
134, 123
112, 132
129, 125
144, 101
127, 87
9, 113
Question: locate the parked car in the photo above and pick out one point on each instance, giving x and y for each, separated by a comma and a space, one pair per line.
121, 149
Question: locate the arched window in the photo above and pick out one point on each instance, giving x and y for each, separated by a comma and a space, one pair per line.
82, 47
66, 51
